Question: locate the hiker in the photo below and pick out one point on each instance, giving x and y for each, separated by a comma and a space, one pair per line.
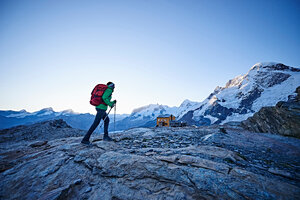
101, 98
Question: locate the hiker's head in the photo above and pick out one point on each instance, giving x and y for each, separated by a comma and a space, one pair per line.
111, 84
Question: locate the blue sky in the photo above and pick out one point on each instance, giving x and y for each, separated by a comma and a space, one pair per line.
52, 53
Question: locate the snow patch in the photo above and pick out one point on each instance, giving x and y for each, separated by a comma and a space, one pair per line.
236, 117
20, 115
211, 118
277, 93
259, 65
206, 137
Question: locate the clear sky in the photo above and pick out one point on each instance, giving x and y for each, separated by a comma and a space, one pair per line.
53, 52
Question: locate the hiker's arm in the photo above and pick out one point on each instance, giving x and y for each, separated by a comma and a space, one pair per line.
107, 96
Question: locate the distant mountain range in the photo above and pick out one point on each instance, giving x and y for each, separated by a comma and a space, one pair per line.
77, 120
264, 85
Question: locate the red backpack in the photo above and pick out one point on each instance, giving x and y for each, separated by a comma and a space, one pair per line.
96, 98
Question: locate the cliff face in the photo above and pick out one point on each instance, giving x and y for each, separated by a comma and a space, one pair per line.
283, 119
148, 163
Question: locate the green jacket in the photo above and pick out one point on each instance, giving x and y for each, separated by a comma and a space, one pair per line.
106, 98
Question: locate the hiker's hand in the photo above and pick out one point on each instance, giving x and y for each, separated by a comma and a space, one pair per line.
114, 103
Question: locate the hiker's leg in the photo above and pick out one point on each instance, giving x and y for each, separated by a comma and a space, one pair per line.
106, 123
94, 125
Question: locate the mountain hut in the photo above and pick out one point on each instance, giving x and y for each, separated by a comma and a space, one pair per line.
164, 120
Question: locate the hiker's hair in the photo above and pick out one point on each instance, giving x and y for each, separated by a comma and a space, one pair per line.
108, 83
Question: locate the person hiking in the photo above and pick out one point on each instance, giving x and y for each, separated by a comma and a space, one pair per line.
102, 101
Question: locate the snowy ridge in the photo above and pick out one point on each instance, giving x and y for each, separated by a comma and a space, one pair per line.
186, 106
43, 112
264, 85
152, 111
10, 118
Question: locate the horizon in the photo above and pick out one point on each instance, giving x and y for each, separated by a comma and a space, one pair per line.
137, 107
53, 53
74, 111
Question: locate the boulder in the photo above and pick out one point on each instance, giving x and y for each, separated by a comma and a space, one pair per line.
282, 119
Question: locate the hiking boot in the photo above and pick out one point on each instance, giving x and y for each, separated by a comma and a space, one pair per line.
85, 142
107, 138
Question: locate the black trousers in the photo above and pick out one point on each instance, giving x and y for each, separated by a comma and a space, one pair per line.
101, 114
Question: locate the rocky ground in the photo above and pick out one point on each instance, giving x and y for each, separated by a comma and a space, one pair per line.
148, 163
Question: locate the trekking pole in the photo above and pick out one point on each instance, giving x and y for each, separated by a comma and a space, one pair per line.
115, 117
105, 118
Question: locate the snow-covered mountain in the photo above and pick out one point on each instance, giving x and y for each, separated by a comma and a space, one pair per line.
44, 112
264, 85
152, 111
9, 118
146, 116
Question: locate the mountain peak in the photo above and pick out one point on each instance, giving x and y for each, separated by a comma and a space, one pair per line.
44, 111
68, 111
259, 65
264, 85
272, 66
187, 102
50, 109
136, 110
